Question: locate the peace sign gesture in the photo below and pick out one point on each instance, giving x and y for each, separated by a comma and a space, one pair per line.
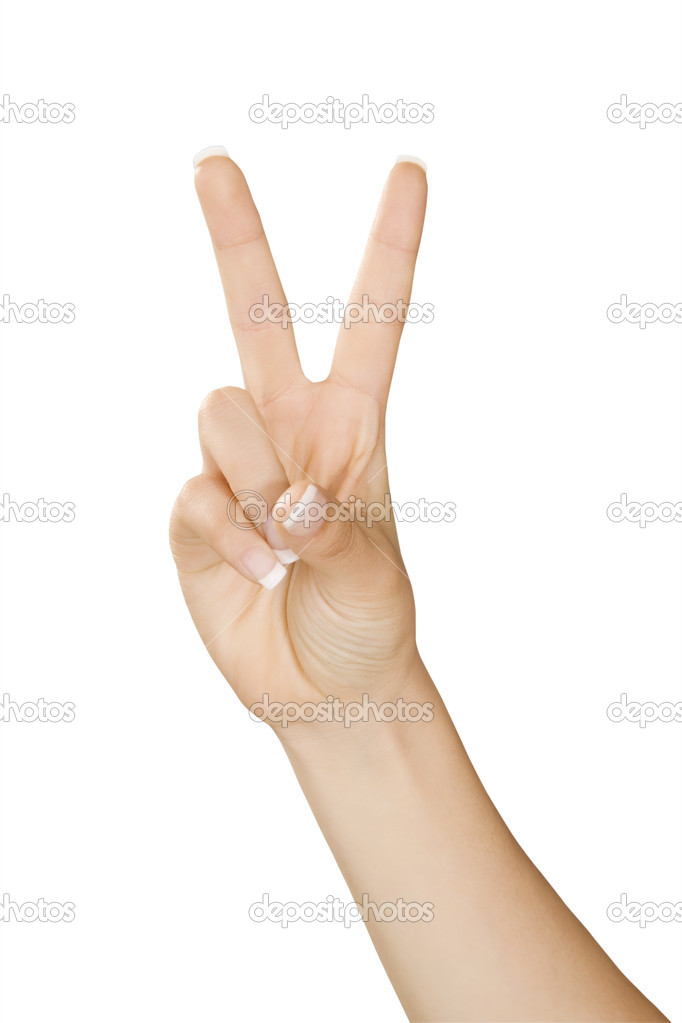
296, 590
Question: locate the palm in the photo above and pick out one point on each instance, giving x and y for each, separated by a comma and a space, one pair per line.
332, 430
302, 637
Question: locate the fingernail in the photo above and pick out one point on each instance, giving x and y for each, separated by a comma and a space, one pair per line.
411, 159
279, 548
203, 154
286, 556
264, 567
300, 520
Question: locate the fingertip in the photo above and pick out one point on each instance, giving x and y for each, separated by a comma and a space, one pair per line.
209, 151
408, 181
300, 511
414, 160
261, 565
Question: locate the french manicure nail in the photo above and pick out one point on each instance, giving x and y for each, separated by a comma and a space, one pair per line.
286, 556
263, 566
299, 513
203, 154
403, 158
279, 547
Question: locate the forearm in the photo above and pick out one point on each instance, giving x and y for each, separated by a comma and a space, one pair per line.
330, 603
407, 818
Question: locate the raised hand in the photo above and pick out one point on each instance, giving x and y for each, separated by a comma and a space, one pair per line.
340, 618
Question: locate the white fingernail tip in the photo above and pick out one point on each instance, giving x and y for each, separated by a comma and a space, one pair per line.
287, 556
299, 510
274, 576
277, 546
404, 158
204, 154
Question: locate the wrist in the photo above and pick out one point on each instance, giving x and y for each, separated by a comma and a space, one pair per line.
382, 721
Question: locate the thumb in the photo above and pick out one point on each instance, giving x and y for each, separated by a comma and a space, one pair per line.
319, 531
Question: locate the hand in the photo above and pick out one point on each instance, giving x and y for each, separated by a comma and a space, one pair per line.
400, 804
339, 620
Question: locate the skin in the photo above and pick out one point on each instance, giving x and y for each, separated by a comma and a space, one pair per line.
400, 804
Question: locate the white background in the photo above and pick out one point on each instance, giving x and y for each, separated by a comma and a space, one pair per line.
163, 811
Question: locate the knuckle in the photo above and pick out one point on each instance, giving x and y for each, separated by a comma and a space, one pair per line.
246, 323
234, 238
191, 493
341, 542
221, 404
